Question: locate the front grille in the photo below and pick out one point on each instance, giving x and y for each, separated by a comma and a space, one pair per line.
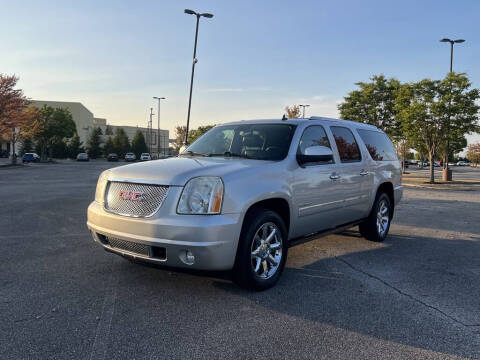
129, 246
133, 199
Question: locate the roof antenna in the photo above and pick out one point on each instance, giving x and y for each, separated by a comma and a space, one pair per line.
284, 117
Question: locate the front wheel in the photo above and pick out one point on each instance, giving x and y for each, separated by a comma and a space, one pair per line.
376, 227
262, 250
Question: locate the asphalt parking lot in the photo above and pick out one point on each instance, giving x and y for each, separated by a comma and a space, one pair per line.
417, 295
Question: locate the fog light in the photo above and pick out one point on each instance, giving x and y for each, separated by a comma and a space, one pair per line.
187, 257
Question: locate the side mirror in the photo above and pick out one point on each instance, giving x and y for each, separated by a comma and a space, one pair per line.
315, 154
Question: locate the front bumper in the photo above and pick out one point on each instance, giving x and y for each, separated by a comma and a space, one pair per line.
212, 239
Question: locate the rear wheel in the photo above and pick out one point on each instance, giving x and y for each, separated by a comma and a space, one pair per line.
376, 227
262, 250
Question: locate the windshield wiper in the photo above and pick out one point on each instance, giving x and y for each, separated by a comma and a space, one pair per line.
230, 154
193, 153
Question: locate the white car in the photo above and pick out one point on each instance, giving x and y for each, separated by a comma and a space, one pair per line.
130, 157
145, 157
463, 163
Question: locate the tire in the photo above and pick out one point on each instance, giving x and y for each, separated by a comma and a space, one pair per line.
377, 225
249, 269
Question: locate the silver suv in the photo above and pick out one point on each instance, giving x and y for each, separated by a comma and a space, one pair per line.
244, 192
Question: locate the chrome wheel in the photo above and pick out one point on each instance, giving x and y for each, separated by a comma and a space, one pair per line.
383, 218
266, 250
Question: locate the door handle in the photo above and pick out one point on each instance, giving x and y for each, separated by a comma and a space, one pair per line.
363, 172
334, 177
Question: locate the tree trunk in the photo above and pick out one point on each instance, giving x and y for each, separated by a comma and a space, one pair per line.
14, 156
432, 175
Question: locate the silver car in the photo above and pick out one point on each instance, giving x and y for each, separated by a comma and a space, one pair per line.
244, 192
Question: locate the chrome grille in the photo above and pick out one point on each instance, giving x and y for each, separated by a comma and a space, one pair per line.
129, 246
117, 198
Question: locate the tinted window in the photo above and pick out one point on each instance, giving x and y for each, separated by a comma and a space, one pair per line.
378, 145
254, 141
314, 136
346, 144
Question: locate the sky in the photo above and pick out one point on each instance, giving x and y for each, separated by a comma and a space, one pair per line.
254, 57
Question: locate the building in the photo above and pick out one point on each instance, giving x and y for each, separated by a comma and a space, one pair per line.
86, 122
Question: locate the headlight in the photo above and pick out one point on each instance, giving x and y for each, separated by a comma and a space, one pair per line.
101, 184
201, 195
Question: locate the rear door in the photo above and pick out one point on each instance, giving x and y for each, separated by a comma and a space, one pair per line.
356, 181
317, 195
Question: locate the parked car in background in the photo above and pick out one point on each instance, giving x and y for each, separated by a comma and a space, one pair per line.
130, 156
112, 157
145, 157
244, 192
3, 154
30, 157
82, 157
463, 163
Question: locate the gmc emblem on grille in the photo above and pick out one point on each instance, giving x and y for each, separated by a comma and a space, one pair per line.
131, 195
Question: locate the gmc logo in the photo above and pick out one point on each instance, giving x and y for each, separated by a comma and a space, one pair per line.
130, 195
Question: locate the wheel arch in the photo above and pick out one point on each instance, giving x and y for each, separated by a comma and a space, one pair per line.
387, 188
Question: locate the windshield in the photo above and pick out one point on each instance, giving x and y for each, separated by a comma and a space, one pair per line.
251, 141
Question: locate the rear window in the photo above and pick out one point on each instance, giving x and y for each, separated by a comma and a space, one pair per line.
378, 145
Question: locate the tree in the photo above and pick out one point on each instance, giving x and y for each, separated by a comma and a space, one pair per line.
109, 147
293, 111
374, 103
27, 145
139, 145
195, 134
179, 137
75, 147
431, 111
121, 144
13, 117
52, 126
94, 143
473, 154
458, 102
108, 130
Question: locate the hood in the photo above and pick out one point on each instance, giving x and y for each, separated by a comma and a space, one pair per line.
178, 170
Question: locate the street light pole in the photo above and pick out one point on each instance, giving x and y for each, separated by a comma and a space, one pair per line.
158, 126
304, 106
198, 15
150, 125
446, 174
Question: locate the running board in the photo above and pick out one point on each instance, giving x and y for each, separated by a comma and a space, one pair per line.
310, 237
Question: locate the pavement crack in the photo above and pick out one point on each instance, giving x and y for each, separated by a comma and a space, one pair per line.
401, 292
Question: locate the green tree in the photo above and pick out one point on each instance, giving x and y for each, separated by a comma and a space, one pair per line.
108, 130
121, 143
94, 143
195, 134
59, 149
431, 111
53, 125
109, 147
27, 145
139, 145
458, 102
374, 103
75, 146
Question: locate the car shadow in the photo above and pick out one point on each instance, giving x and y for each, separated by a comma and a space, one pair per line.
429, 301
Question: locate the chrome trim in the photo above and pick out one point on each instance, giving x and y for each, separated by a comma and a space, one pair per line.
319, 205
107, 189
140, 181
